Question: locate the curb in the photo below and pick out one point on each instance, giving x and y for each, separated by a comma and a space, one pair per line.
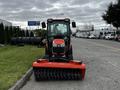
20, 83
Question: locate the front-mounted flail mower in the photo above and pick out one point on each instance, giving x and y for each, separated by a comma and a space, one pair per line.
58, 63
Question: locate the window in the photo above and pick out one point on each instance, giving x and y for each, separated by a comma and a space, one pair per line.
58, 28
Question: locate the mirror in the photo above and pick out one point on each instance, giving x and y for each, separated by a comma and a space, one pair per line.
43, 25
73, 24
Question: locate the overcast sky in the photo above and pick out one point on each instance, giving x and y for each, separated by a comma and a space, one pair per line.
82, 11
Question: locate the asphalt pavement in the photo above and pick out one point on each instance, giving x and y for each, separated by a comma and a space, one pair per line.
102, 58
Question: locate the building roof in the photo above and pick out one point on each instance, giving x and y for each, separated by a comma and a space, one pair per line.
6, 23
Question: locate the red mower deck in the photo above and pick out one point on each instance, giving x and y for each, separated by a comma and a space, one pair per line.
46, 70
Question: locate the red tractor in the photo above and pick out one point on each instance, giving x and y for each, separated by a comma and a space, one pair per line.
58, 63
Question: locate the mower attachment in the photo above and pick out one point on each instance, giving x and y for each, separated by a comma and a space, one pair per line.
45, 70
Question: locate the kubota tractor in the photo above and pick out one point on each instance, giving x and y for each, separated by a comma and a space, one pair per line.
58, 63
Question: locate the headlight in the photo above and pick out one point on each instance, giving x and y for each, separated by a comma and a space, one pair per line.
58, 45
62, 45
54, 45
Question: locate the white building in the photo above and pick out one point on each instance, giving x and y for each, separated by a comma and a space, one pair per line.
85, 28
5, 23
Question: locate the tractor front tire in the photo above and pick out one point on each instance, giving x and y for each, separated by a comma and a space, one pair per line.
70, 54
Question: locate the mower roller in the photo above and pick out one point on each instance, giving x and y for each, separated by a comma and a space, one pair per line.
58, 63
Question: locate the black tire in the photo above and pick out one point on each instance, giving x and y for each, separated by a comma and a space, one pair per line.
71, 54
13, 41
21, 44
46, 51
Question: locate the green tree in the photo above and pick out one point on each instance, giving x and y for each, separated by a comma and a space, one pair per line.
27, 33
31, 34
23, 33
11, 31
6, 35
112, 14
1, 33
15, 32
40, 32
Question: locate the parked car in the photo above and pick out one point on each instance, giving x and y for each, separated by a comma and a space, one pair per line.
92, 36
109, 36
117, 37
